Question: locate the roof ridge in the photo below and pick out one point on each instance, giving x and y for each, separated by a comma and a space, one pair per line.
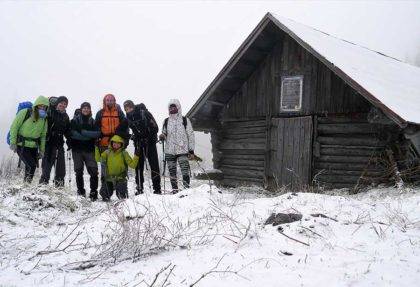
278, 17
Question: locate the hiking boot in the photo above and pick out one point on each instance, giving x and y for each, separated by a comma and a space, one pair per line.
106, 199
139, 191
81, 193
157, 192
93, 195
175, 191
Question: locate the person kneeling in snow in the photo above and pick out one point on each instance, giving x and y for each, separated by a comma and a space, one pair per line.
178, 134
116, 161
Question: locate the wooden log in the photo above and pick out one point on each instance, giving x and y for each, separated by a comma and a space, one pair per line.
244, 137
241, 167
345, 159
242, 146
245, 124
345, 166
358, 118
353, 141
247, 130
243, 173
241, 152
348, 128
255, 157
242, 162
348, 172
243, 179
349, 151
245, 140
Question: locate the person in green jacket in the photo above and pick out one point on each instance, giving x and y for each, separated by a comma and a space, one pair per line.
116, 161
28, 133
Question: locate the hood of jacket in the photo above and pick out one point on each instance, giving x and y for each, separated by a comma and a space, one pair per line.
117, 139
177, 104
41, 100
103, 101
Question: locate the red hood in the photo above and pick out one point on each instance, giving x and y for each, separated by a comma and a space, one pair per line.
103, 101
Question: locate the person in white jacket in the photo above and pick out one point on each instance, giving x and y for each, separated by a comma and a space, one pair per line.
178, 134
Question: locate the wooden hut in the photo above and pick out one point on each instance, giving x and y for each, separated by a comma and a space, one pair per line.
295, 106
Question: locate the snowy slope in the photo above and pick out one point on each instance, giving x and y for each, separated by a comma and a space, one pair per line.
53, 238
394, 83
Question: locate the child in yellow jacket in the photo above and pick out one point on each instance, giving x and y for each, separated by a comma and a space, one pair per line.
116, 160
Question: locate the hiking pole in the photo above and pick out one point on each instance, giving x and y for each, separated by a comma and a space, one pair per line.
146, 159
164, 164
69, 171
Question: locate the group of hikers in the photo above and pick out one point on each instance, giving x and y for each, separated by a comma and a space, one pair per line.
39, 131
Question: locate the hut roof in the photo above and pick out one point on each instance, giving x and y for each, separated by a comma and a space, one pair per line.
388, 83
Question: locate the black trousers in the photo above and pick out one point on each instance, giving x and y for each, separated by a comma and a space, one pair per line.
29, 156
80, 160
120, 187
149, 152
54, 155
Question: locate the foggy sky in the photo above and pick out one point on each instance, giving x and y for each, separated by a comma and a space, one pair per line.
151, 52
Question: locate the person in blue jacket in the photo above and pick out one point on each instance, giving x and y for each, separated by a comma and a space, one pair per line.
84, 134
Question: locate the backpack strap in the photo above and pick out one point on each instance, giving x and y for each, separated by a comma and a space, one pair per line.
184, 123
165, 125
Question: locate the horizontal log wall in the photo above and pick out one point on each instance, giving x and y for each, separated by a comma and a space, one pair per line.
348, 150
240, 148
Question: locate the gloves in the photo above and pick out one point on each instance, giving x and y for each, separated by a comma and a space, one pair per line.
191, 155
162, 137
13, 147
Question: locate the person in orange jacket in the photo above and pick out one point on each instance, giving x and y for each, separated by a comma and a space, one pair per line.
111, 121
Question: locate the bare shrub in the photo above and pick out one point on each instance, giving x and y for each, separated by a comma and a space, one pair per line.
151, 231
9, 167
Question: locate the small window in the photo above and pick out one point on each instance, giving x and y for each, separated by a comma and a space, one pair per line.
291, 93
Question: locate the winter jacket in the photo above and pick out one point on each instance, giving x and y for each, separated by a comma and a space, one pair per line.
179, 139
111, 121
84, 133
58, 127
30, 129
116, 162
143, 125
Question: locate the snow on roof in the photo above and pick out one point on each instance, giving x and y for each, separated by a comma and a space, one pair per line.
393, 83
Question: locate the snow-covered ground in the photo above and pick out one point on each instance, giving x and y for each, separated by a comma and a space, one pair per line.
205, 236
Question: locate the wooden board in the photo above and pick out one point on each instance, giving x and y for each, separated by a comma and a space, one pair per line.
291, 142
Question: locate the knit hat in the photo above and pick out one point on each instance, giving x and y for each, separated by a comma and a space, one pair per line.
62, 99
128, 103
85, 104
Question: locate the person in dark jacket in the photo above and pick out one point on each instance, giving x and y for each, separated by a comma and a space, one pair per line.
84, 133
58, 128
145, 129
110, 121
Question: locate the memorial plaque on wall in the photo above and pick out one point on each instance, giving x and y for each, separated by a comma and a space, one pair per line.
291, 93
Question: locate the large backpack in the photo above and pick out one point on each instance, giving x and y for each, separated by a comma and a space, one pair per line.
21, 106
140, 126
